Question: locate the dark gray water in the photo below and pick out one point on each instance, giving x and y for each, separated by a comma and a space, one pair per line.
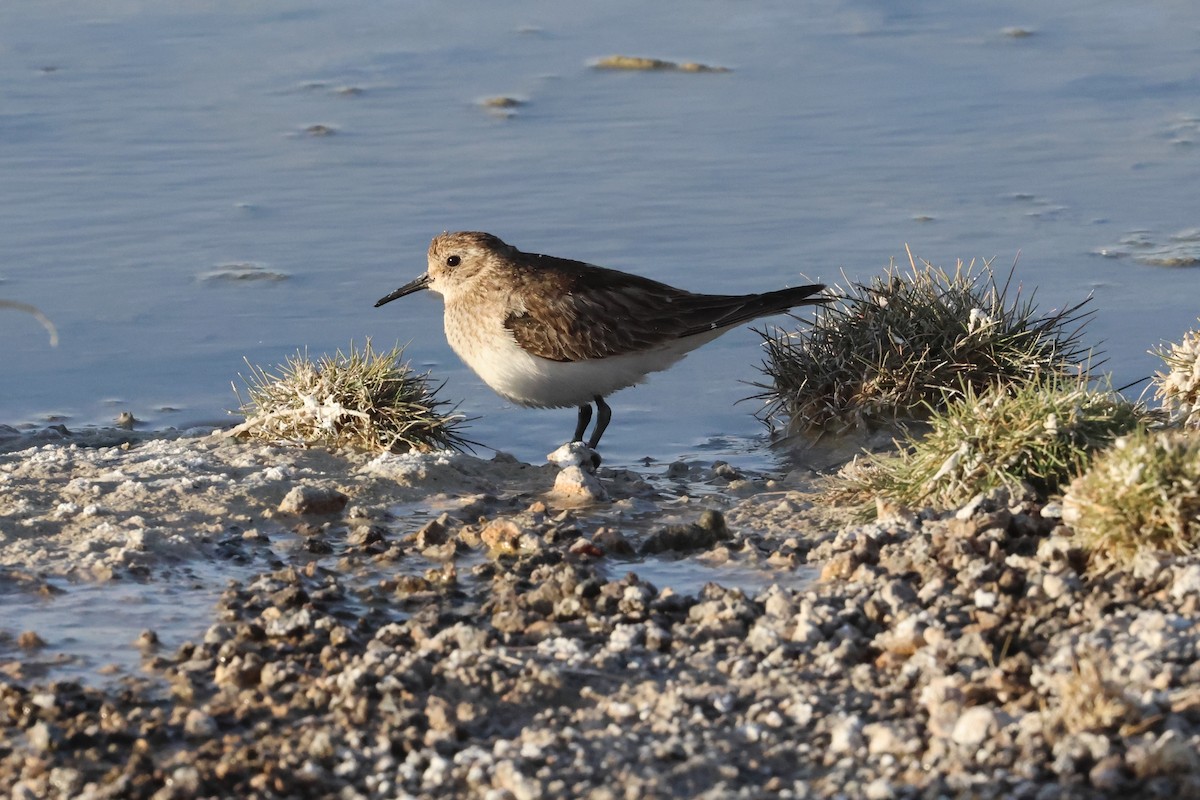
145, 145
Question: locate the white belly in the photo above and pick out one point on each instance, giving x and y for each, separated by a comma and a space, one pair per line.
530, 380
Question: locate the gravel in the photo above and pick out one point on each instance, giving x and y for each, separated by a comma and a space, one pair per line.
431, 626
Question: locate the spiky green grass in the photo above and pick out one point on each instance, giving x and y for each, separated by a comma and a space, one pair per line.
362, 399
1143, 493
1038, 433
911, 341
1178, 388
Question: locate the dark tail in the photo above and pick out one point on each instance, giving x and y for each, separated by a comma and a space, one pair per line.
722, 311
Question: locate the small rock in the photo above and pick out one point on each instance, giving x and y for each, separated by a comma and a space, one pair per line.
582, 547
879, 789
884, 737
1187, 581
185, 782
1108, 774
313, 500
199, 725
29, 640
42, 736
573, 454
501, 534
846, 736
984, 599
364, 535
579, 485
1055, 585
974, 726
432, 533
67, 780
612, 541
677, 470
724, 470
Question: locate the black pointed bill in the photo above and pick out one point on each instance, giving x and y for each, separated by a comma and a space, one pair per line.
408, 288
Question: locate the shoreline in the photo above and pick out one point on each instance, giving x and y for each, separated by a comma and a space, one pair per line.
423, 625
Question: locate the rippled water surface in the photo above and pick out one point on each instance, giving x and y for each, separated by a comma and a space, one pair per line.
186, 184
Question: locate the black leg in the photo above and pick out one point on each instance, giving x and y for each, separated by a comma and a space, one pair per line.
603, 415
585, 416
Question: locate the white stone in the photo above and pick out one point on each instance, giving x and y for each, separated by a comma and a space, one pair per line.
846, 736
576, 482
572, 454
974, 726
1187, 581
984, 599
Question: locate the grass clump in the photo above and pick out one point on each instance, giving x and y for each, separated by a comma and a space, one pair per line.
1088, 698
1178, 388
1039, 433
363, 399
1143, 493
911, 341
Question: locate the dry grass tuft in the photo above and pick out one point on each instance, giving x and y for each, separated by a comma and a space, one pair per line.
910, 342
363, 400
1087, 700
1039, 433
1143, 493
1178, 389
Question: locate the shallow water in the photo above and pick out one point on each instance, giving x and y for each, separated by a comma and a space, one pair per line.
687, 576
91, 630
144, 146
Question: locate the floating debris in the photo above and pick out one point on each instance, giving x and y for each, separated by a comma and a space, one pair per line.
501, 101
243, 271
501, 105
654, 64
1183, 130
1181, 249
36, 313
320, 130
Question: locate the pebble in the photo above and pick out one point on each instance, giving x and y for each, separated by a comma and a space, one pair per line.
312, 500
974, 726
1186, 582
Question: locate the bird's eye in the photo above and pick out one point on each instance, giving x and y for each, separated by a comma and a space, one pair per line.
453, 261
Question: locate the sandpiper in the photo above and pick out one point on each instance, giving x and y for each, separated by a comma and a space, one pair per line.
553, 333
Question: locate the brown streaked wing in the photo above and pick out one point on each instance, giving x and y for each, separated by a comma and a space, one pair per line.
576, 311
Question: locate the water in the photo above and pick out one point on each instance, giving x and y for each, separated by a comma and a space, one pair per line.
687, 576
91, 629
143, 145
